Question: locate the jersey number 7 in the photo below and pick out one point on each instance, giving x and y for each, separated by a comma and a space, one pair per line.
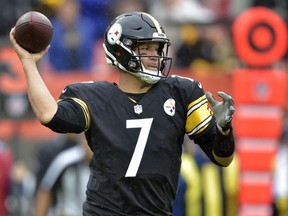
145, 125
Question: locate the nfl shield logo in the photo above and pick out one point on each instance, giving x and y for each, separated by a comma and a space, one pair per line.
138, 109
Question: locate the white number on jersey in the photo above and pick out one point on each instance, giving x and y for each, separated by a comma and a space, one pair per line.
145, 125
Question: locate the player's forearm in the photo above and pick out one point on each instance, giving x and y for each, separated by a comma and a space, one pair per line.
223, 148
42, 102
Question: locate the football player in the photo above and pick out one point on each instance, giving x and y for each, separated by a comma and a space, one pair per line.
134, 127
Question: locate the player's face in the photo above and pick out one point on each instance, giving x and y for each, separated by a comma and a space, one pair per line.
151, 51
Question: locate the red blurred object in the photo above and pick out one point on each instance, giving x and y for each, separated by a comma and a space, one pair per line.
258, 122
256, 154
6, 160
259, 87
255, 188
260, 36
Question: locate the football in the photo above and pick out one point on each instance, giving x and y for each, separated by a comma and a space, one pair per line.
33, 31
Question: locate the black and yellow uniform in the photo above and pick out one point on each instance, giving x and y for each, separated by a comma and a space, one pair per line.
137, 145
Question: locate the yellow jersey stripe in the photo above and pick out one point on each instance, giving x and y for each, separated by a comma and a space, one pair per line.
198, 116
199, 128
196, 101
85, 111
196, 106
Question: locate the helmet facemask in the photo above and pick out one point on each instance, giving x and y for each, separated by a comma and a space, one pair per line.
161, 67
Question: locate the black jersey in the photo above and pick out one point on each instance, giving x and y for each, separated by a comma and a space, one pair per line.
137, 145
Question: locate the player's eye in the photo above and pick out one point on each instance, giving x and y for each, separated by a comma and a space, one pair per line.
143, 50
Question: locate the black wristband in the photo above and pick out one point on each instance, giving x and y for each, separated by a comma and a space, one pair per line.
224, 145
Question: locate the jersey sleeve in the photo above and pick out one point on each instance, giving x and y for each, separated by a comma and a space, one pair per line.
72, 115
201, 125
198, 116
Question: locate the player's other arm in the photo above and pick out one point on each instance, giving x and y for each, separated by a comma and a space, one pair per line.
223, 111
217, 146
212, 131
42, 102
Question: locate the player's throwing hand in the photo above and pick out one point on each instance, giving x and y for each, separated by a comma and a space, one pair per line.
24, 54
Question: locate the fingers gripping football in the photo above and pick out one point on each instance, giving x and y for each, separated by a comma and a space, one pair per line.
223, 111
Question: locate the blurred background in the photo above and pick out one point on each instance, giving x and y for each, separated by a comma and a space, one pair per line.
239, 47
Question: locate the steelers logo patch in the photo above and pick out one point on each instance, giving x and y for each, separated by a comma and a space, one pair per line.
169, 107
114, 33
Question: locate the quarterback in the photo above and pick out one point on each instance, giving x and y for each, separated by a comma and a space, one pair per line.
134, 127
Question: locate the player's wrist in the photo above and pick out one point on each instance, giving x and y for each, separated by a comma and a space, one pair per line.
224, 130
27, 60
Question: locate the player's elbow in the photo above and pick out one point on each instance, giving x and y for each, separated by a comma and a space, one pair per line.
45, 113
45, 117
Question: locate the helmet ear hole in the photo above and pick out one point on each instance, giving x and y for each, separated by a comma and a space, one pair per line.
127, 42
134, 64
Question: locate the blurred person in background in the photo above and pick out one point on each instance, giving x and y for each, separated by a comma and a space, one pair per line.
6, 162
100, 13
223, 57
197, 195
62, 174
280, 178
194, 49
207, 46
21, 193
174, 13
199, 31
72, 45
